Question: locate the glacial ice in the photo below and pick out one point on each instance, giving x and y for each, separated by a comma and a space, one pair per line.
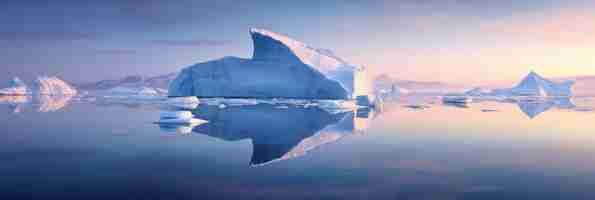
16, 87
477, 92
45, 85
178, 117
455, 98
183, 102
279, 68
537, 86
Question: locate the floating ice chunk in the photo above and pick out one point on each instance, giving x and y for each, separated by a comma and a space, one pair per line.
280, 67
454, 98
337, 104
416, 107
175, 115
183, 102
535, 85
181, 121
178, 117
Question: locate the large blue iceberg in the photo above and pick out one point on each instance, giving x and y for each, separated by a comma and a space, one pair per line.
280, 68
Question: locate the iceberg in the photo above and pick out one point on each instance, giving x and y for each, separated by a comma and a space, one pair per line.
454, 98
45, 85
188, 103
279, 68
16, 87
536, 86
133, 92
179, 117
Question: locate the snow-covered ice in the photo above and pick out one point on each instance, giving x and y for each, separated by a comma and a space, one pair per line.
477, 92
454, 98
280, 68
535, 85
183, 102
15, 87
45, 85
178, 117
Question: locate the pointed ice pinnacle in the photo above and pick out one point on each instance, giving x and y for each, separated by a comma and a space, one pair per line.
535, 85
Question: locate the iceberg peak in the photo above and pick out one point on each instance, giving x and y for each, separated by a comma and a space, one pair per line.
280, 67
535, 85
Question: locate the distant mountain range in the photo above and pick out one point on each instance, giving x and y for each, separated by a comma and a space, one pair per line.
161, 81
584, 86
426, 87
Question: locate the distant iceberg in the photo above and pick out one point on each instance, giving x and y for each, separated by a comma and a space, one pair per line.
455, 98
536, 86
280, 68
179, 117
477, 92
16, 87
45, 85
133, 92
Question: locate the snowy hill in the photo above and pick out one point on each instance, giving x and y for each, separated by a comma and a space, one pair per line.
16, 87
280, 67
385, 82
161, 81
535, 85
45, 85
477, 92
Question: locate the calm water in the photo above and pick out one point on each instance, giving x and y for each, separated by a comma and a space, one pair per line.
488, 150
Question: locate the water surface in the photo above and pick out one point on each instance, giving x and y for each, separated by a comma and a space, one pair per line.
484, 150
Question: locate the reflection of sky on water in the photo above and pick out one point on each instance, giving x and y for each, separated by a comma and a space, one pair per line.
438, 153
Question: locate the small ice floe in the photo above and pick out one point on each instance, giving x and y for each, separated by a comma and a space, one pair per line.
222, 106
416, 107
240, 102
336, 104
489, 110
282, 107
456, 99
178, 117
183, 102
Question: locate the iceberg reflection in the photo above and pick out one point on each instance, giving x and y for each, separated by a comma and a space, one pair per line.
51, 103
15, 103
279, 134
533, 108
40, 103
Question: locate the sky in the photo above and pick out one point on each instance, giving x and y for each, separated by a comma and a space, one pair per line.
457, 41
